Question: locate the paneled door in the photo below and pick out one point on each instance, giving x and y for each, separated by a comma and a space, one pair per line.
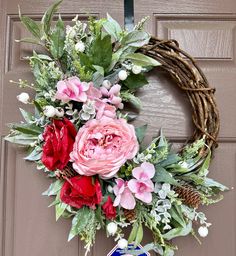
206, 29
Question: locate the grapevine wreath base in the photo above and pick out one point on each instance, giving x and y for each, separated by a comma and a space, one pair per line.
103, 177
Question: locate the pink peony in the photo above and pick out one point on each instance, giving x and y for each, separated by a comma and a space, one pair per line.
142, 186
124, 196
72, 89
102, 146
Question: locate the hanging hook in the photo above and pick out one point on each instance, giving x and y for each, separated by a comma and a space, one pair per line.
129, 14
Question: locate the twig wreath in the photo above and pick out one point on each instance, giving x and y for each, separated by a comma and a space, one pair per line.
102, 175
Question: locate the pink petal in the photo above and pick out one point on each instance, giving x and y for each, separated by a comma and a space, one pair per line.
127, 200
138, 172
84, 86
149, 169
133, 185
115, 90
117, 200
145, 197
82, 97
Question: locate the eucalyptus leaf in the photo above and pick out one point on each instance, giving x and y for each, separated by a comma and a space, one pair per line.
142, 60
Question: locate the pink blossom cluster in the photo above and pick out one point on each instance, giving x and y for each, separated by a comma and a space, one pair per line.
141, 187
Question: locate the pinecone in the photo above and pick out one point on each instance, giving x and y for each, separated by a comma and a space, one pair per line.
130, 215
67, 172
189, 195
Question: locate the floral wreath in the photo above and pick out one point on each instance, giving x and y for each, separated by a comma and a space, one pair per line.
102, 175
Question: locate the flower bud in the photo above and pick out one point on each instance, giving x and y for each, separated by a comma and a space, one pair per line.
49, 111
80, 47
106, 84
122, 243
203, 231
122, 75
112, 228
23, 97
136, 69
110, 189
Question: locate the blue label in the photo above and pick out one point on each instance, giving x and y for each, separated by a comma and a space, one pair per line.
117, 251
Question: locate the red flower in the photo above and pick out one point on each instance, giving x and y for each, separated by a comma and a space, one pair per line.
108, 209
58, 138
81, 190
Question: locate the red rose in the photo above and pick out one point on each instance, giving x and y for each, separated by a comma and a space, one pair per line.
81, 190
108, 209
58, 138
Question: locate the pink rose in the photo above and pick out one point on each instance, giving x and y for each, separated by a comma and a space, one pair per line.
102, 146
142, 186
72, 89
124, 196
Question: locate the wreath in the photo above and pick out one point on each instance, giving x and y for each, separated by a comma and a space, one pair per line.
102, 175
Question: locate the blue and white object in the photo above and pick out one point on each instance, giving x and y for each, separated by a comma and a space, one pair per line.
116, 251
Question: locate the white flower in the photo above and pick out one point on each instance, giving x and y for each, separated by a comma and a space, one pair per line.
23, 97
203, 231
70, 31
112, 228
136, 69
80, 46
122, 75
106, 84
110, 189
49, 111
122, 243
59, 112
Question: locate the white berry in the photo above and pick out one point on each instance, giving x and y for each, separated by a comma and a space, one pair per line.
49, 111
122, 243
80, 47
106, 84
122, 75
112, 228
59, 112
136, 69
23, 97
110, 189
203, 231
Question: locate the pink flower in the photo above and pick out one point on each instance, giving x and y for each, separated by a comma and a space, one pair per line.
72, 89
142, 186
112, 95
104, 109
124, 196
102, 146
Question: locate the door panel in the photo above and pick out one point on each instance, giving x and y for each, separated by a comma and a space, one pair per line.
206, 29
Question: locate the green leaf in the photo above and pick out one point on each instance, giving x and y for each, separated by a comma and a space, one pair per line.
80, 221
129, 97
60, 208
31, 25
142, 60
28, 40
99, 69
140, 132
27, 115
48, 15
53, 188
133, 232
57, 39
101, 51
203, 171
177, 215
21, 139
208, 182
34, 155
133, 82
136, 39
30, 129
162, 175
139, 235
97, 79
175, 232
112, 27
170, 160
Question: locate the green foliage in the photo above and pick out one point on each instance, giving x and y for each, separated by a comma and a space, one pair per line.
140, 132
57, 38
21, 138
134, 82
112, 27
82, 71
30, 129
142, 60
191, 150
53, 189
34, 155
180, 231
135, 39
129, 97
162, 175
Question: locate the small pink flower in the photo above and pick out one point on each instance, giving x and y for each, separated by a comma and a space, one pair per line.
142, 186
104, 109
72, 89
112, 95
124, 196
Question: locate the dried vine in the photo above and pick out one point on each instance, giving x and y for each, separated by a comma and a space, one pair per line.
190, 78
